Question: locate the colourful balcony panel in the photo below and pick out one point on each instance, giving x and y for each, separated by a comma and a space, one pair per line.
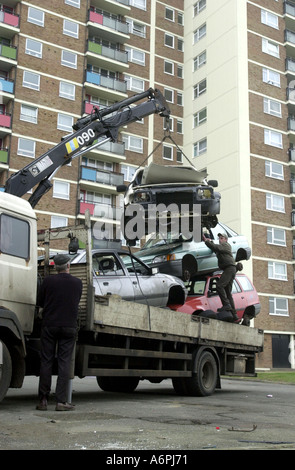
86, 205
88, 174
7, 51
3, 156
12, 20
89, 108
92, 77
6, 85
94, 47
5, 120
95, 17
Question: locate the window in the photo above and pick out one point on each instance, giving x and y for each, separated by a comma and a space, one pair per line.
271, 77
277, 271
36, 16
31, 80
26, 147
200, 117
179, 98
34, 48
61, 189
199, 6
136, 28
273, 138
179, 71
272, 107
200, 60
270, 47
278, 306
69, 59
169, 40
134, 84
67, 90
14, 236
65, 122
128, 172
138, 4
167, 152
169, 67
169, 95
58, 221
270, 19
178, 156
169, 14
276, 236
180, 44
135, 56
200, 88
200, 147
73, 3
274, 170
180, 18
71, 29
29, 113
135, 144
200, 33
275, 202
179, 126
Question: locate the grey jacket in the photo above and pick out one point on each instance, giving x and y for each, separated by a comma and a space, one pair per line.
223, 252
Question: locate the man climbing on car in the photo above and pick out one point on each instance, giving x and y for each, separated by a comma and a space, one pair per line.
226, 262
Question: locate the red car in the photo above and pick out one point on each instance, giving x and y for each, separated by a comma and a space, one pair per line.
202, 296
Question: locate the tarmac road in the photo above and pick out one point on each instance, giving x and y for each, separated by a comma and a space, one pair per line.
243, 415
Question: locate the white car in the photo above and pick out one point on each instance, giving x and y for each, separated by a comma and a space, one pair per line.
120, 272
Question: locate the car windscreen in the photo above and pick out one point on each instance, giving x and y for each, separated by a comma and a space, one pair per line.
158, 239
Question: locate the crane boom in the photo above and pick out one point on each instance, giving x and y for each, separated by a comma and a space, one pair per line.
88, 129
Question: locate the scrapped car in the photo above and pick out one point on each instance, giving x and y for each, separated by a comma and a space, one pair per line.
120, 272
185, 258
183, 186
203, 297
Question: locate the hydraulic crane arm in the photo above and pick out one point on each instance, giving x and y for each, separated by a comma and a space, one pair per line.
88, 129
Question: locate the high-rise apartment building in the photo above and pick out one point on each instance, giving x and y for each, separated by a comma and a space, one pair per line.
239, 120
227, 71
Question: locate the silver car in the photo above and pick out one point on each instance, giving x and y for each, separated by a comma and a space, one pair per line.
185, 258
120, 272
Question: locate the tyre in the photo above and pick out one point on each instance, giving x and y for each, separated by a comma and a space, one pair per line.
5, 371
118, 384
205, 376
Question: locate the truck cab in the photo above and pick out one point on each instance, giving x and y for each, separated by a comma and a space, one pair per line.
18, 260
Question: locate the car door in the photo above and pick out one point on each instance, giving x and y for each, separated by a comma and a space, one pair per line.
109, 276
148, 288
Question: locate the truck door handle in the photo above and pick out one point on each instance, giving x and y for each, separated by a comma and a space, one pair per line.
105, 283
134, 282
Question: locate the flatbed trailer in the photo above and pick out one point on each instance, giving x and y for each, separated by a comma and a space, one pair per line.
122, 342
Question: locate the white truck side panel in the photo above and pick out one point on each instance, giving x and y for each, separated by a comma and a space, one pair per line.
18, 276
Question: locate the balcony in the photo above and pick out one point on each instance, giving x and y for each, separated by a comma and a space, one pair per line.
107, 178
117, 7
293, 218
292, 186
98, 209
112, 86
292, 155
110, 28
290, 65
107, 57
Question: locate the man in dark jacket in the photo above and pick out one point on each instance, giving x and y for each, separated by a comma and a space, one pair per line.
59, 296
226, 262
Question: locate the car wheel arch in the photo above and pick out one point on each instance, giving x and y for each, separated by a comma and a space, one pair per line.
189, 266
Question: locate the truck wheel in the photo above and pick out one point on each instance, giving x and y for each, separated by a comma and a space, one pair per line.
204, 380
5, 371
118, 384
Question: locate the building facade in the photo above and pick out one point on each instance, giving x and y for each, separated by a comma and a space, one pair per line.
242, 130
227, 71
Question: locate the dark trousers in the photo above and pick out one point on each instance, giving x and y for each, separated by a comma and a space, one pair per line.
58, 341
224, 287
